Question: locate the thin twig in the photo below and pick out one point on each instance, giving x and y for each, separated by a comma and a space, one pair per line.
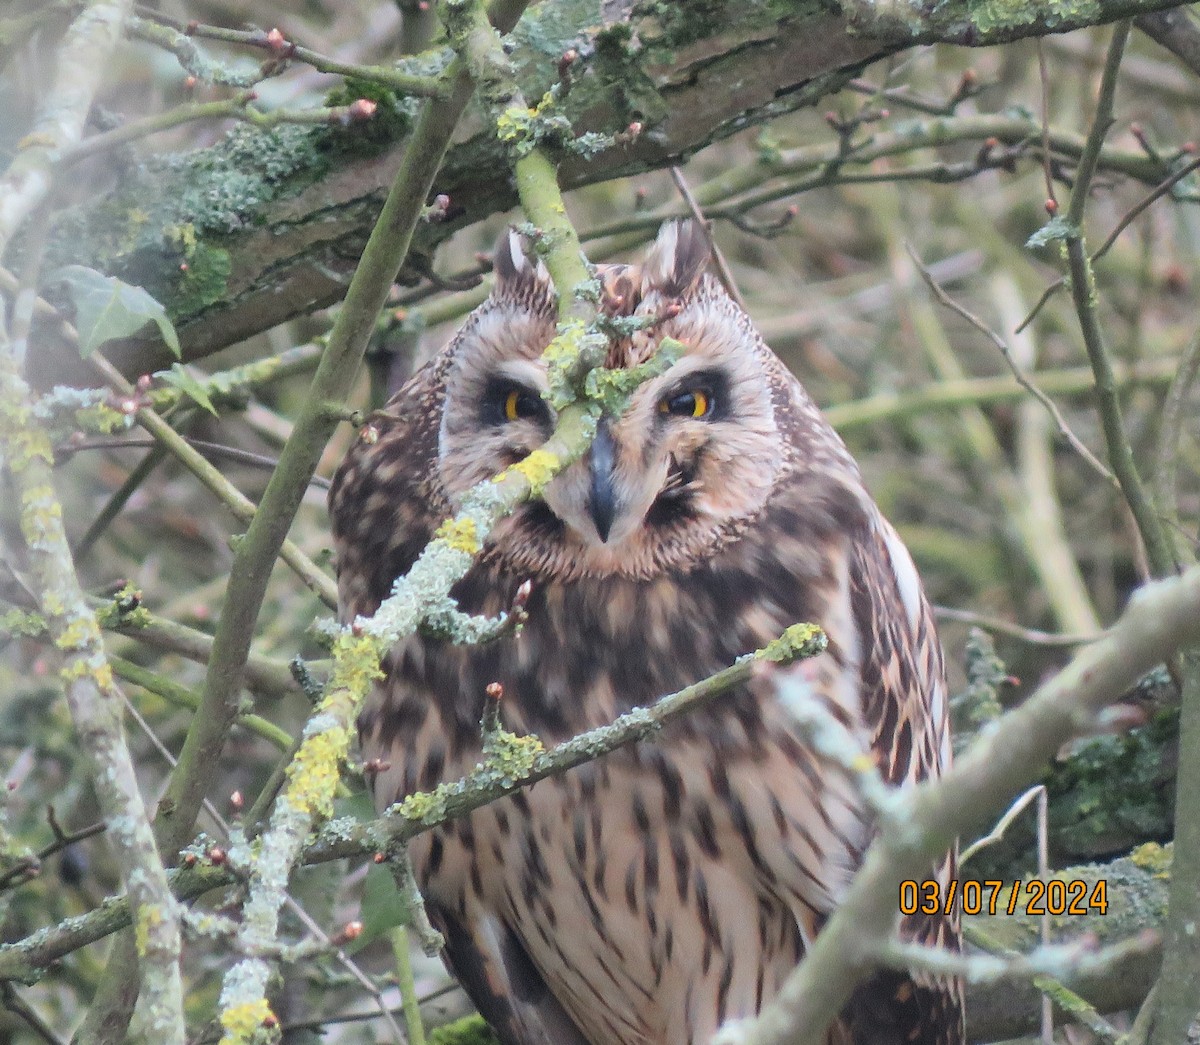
1045, 97
1022, 378
231, 453
1003, 824
166, 33
20, 1007
723, 269
1016, 631
1130, 215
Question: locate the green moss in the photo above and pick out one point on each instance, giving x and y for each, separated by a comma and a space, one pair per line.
204, 282
165, 229
391, 122
1114, 789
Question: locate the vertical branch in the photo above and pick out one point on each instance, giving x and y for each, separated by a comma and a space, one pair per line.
1159, 547
95, 705
1176, 995
256, 552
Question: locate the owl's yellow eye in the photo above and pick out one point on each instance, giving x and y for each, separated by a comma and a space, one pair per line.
694, 403
516, 403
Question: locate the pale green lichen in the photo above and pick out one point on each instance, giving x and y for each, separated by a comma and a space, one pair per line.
575, 350
510, 756
18, 622
993, 16
523, 129
612, 387
428, 806
149, 918
41, 517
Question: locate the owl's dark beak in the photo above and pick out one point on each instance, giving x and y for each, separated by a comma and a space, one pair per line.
604, 498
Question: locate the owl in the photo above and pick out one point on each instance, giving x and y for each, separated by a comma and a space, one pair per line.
649, 896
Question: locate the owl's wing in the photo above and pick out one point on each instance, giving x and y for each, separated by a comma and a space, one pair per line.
884, 677
906, 710
384, 500
493, 967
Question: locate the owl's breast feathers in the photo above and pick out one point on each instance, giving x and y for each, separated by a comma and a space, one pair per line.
652, 895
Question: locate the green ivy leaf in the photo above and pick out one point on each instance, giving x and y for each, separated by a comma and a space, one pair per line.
107, 308
179, 377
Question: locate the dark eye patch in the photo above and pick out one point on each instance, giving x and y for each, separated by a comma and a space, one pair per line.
505, 400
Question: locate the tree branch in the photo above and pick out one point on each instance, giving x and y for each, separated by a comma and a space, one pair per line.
1162, 618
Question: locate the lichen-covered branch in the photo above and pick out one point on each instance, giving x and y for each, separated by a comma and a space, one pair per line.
81, 69
95, 704
1161, 619
515, 762
691, 76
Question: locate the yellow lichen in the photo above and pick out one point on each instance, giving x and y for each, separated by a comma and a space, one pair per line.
512, 755
1152, 857
314, 773
459, 534
79, 668
537, 470
800, 640
149, 917
78, 634
239, 1022
355, 663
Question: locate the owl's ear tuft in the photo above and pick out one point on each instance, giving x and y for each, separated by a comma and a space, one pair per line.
677, 259
517, 277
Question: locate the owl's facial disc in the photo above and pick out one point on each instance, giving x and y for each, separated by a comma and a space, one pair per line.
680, 456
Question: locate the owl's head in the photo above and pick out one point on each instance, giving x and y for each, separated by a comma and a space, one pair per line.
691, 459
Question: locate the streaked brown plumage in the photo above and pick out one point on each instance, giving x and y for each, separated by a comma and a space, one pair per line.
647, 897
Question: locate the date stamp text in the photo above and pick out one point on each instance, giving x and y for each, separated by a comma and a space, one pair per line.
1031, 896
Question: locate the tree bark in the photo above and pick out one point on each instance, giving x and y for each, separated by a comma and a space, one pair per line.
266, 226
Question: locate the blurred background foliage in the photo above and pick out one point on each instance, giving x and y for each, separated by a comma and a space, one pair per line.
1005, 520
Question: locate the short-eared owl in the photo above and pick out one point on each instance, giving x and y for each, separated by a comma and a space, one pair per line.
651, 895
